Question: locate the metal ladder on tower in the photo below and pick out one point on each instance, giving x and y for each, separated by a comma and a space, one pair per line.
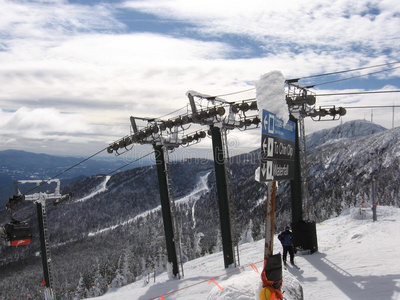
177, 238
225, 151
49, 293
47, 247
304, 166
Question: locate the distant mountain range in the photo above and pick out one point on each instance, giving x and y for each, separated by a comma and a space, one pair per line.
348, 130
116, 218
21, 165
357, 161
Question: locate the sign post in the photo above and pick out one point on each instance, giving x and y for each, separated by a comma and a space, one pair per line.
277, 163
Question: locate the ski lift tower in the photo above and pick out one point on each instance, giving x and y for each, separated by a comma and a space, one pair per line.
40, 200
301, 103
166, 135
237, 117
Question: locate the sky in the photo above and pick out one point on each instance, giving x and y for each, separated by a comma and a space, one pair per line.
73, 72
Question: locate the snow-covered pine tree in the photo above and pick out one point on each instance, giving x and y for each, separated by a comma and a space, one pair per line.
218, 243
119, 279
161, 261
247, 234
197, 248
125, 271
80, 291
99, 286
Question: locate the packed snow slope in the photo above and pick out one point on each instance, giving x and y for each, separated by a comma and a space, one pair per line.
357, 259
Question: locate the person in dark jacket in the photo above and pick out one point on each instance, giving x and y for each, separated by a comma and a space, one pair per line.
286, 238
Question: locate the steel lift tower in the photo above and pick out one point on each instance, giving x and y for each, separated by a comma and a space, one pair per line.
166, 135
40, 199
301, 103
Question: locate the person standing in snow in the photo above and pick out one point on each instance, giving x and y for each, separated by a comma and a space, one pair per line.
286, 238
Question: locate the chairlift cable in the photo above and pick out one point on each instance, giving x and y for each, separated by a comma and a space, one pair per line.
172, 112
370, 106
358, 93
66, 170
348, 78
129, 163
351, 70
238, 92
126, 165
325, 74
347, 93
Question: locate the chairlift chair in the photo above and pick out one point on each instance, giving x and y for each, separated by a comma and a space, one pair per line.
18, 233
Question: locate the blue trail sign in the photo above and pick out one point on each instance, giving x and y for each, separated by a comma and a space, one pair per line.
277, 148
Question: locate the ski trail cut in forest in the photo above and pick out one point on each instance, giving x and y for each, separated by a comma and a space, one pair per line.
201, 188
100, 188
195, 195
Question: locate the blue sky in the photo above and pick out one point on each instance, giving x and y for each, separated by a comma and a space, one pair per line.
73, 72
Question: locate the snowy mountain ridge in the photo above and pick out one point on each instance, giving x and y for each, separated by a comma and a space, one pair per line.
348, 130
364, 168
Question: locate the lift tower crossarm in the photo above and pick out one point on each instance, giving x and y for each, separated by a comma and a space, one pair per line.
192, 94
40, 196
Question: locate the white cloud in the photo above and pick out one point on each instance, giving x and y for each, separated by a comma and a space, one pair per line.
115, 72
312, 23
42, 122
81, 59
53, 19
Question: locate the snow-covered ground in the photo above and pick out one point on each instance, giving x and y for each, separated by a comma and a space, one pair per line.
357, 259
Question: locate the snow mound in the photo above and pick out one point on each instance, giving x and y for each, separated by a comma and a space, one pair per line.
236, 287
271, 96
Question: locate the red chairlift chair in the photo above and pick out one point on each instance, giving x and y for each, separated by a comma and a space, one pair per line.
18, 233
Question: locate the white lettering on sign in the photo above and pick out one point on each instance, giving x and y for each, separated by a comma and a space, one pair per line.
278, 123
270, 175
270, 147
271, 124
281, 170
289, 126
283, 149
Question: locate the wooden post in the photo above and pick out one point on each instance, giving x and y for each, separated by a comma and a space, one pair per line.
270, 219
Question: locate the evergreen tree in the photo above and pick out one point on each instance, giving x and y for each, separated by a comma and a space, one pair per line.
99, 286
125, 270
246, 236
197, 245
80, 291
218, 243
119, 279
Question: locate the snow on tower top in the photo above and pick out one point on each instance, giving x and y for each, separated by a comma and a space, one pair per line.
270, 94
